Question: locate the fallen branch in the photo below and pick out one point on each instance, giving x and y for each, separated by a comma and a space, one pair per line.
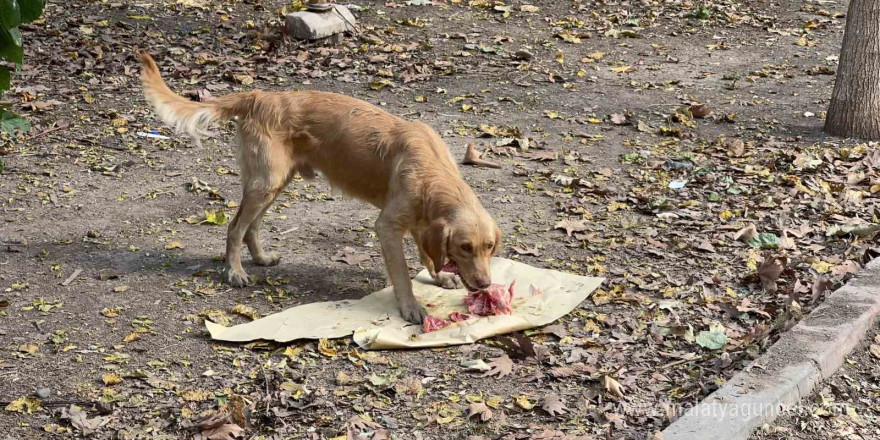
472, 157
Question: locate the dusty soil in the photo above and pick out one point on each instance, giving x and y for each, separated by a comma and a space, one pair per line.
605, 115
846, 406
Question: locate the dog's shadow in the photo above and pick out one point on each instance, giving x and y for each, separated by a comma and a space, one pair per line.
159, 269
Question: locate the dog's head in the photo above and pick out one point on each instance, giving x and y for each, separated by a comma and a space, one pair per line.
469, 238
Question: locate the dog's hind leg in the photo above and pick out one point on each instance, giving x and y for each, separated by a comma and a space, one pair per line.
252, 237
264, 175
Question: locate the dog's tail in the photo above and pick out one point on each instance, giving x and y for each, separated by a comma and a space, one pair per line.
187, 117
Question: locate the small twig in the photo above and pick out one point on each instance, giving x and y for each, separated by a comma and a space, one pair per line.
289, 230
72, 277
47, 131
472, 157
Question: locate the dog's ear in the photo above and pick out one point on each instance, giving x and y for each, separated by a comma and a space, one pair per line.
497, 247
435, 242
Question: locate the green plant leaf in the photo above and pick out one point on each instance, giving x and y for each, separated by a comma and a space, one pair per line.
31, 9
9, 122
10, 45
10, 14
766, 240
5, 78
713, 340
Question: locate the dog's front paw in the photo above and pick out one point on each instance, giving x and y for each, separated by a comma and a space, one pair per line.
236, 278
413, 312
449, 280
268, 259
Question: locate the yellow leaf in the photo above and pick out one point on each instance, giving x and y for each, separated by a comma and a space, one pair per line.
133, 336
29, 348
326, 348
111, 378
196, 395
174, 245
292, 353
622, 69
24, 405
494, 401
821, 266
524, 403
560, 58
246, 311
726, 215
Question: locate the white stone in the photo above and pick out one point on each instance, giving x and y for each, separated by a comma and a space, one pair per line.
307, 25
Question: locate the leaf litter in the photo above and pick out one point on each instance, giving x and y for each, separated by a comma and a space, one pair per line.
701, 278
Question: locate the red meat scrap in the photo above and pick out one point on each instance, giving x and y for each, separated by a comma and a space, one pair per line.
494, 300
458, 317
433, 323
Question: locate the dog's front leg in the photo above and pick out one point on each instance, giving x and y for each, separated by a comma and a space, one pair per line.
391, 234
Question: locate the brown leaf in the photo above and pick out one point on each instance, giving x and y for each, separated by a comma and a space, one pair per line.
350, 256
875, 350
80, 420
499, 367
217, 428
820, 285
481, 410
521, 347
619, 119
554, 405
735, 147
571, 225
473, 157
747, 233
700, 111
706, 246
612, 386
769, 271
540, 155
527, 251
556, 329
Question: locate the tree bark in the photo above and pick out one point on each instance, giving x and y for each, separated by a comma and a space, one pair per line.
854, 110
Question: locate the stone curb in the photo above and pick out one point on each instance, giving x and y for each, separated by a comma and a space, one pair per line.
804, 356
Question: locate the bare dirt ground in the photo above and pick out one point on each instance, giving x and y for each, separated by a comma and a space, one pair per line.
846, 406
592, 127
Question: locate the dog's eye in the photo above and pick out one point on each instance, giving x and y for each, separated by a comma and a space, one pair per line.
467, 248
490, 246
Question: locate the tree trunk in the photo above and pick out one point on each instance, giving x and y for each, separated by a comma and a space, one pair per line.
855, 103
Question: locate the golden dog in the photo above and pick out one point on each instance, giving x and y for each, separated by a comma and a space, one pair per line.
403, 168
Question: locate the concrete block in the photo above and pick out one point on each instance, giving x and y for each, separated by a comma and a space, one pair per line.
307, 25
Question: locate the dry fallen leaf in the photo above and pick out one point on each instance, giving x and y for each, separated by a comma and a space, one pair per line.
520, 250
747, 233
217, 427
612, 386
350, 256
735, 147
500, 367
769, 271
80, 420
570, 226
480, 410
700, 111
554, 405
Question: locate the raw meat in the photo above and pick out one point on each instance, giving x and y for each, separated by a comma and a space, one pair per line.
432, 323
450, 267
492, 301
458, 317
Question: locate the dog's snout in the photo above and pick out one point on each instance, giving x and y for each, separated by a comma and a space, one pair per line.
483, 281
